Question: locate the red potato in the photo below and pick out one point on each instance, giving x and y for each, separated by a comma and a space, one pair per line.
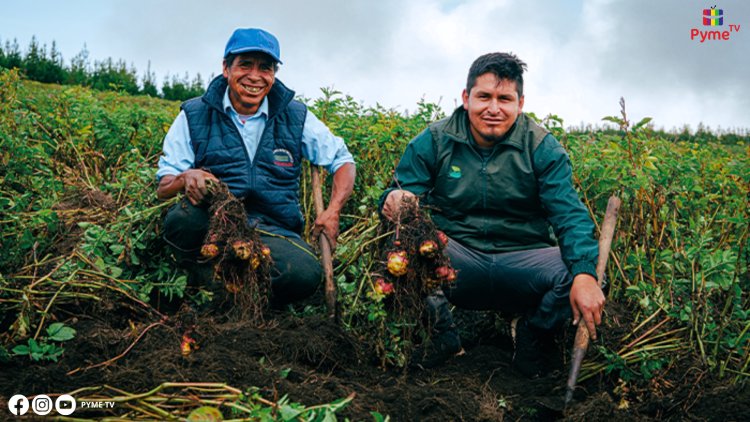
442, 237
398, 263
209, 250
242, 249
428, 248
187, 345
383, 287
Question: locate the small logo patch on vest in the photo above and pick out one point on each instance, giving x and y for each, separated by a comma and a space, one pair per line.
282, 157
455, 172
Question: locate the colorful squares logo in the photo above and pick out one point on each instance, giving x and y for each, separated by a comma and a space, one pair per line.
713, 17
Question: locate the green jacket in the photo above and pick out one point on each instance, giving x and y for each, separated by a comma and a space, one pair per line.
512, 198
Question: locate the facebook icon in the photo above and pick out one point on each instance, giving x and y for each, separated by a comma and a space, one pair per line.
18, 405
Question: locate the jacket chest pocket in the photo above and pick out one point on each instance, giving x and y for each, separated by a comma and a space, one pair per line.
457, 188
280, 168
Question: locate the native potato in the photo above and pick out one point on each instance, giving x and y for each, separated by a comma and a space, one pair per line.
210, 250
443, 237
242, 249
428, 248
398, 263
383, 287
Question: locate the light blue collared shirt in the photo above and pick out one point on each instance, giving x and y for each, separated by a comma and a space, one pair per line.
319, 145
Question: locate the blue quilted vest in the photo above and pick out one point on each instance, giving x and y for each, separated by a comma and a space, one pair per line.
269, 186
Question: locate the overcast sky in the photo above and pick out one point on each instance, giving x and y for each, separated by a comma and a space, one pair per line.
582, 55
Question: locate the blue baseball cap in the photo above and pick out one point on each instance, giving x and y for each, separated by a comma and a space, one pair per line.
244, 40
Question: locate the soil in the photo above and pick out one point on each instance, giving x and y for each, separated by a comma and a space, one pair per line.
87, 205
313, 361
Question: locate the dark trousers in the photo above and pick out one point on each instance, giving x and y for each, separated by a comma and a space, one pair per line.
296, 272
533, 283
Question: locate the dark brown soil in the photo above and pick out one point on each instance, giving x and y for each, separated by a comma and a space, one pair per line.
312, 360
86, 205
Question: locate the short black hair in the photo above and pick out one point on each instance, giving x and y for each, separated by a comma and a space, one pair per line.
229, 59
502, 65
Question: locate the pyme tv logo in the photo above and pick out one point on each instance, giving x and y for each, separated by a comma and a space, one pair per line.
713, 17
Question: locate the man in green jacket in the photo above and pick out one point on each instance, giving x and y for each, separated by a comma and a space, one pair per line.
499, 185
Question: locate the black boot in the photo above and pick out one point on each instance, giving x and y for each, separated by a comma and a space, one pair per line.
528, 357
444, 341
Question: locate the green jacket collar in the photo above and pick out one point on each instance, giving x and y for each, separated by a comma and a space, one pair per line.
457, 128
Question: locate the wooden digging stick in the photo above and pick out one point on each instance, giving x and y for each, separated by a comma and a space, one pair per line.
582, 334
325, 246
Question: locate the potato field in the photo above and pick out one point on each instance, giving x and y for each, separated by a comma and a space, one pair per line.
93, 305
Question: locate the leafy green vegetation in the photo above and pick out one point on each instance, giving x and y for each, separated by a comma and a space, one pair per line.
44, 348
681, 257
79, 221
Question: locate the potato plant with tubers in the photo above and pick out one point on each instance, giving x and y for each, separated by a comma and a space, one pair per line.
414, 265
241, 261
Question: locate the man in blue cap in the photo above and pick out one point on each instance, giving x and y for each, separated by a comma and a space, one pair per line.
248, 132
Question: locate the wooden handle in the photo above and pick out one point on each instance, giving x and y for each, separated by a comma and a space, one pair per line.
606, 236
581, 343
325, 246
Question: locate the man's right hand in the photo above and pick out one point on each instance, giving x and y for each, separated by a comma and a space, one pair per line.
192, 182
587, 302
393, 201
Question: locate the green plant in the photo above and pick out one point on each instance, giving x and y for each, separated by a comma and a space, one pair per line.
44, 349
377, 417
80, 224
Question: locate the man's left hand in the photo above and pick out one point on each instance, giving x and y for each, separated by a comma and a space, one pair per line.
587, 302
328, 223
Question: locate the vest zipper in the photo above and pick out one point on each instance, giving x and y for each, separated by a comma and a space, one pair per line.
251, 173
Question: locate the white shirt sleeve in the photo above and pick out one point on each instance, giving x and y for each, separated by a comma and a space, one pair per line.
177, 153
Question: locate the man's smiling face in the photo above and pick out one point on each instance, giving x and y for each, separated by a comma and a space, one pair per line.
493, 105
250, 78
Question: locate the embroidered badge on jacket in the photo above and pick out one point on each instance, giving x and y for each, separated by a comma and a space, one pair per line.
282, 157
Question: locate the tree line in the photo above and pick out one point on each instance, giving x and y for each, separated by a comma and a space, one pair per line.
43, 65
40, 64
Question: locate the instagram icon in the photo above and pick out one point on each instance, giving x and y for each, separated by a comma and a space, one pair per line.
41, 405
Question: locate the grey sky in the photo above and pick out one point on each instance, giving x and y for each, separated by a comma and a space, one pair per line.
582, 54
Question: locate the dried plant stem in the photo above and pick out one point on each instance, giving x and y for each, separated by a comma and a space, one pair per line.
121, 355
